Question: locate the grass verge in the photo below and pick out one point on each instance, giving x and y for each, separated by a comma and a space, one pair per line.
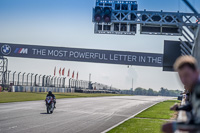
149, 121
6, 97
136, 125
159, 111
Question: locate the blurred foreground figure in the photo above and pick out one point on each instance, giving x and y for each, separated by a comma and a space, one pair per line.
187, 68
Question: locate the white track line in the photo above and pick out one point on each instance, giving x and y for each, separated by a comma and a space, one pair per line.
128, 118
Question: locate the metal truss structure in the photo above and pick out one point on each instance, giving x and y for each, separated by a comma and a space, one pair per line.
125, 19
3, 71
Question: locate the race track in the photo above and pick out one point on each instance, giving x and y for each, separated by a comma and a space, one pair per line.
74, 115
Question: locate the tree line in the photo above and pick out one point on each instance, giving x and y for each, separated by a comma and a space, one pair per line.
151, 92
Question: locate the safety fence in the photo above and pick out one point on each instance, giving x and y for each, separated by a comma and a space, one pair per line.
24, 80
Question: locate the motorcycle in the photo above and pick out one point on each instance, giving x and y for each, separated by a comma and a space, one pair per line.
49, 104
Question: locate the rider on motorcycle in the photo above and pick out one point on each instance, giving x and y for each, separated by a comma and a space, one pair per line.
54, 98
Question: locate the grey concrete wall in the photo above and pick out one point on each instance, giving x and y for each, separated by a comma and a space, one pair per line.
41, 89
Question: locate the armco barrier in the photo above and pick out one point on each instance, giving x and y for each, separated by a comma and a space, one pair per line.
182, 116
41, 89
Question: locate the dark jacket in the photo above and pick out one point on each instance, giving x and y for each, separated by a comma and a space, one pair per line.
52, 95
188, 106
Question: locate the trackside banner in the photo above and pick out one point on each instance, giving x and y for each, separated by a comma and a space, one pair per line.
81, 55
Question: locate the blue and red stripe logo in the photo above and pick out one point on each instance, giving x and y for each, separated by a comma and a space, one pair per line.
21, 51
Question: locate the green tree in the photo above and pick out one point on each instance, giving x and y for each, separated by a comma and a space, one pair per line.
150, 92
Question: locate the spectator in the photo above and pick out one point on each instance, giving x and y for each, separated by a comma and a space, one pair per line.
186, 66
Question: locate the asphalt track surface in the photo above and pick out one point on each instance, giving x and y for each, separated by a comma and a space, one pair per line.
75, 115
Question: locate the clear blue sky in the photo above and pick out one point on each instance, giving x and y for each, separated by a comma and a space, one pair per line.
69, 23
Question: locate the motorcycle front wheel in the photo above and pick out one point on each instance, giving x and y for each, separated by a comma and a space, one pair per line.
48, 110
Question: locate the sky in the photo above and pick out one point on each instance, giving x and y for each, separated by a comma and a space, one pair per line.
69, 24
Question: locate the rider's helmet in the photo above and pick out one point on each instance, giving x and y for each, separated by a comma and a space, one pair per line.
50, 93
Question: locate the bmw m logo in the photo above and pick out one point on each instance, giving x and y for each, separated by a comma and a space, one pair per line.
5, 49
21, 51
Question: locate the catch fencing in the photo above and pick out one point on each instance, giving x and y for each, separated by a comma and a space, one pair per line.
38, 80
